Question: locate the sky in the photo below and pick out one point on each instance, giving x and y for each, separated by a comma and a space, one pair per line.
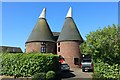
60, 0
19, 18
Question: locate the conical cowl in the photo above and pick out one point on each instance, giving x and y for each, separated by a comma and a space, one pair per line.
69, 30
41, 31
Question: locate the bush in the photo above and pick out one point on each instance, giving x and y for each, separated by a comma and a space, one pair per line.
97, 76
26, 65
106, 71
50, 75
39, 76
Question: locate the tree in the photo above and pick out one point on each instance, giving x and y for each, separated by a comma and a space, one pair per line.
103, 44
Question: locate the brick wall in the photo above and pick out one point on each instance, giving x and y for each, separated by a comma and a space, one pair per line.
70, 50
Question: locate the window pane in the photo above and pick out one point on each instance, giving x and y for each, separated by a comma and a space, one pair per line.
43, 49
58, 49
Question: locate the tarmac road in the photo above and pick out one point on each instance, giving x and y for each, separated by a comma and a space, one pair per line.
76, 74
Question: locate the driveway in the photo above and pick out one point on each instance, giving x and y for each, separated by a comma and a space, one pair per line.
76, 74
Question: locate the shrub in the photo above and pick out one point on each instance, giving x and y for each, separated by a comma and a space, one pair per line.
39, 76
26, 65
97, 76
106, 71
50, 75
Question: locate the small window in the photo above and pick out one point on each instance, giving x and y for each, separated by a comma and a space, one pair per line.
42, 43
43, 49
58, 49
58, 43
76, 61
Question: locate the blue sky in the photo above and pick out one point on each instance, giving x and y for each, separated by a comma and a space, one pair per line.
19, 18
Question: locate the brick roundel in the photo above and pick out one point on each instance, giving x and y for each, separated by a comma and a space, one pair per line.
69, 50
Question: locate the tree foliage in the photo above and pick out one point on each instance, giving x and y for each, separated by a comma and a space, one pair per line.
103, 44
104, 47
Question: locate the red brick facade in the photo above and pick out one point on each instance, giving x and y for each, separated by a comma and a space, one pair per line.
36, 47
69, 50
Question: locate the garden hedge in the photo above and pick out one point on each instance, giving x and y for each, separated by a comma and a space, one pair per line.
26, 65
105, 71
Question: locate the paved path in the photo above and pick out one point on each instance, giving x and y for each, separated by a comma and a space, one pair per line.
76, 74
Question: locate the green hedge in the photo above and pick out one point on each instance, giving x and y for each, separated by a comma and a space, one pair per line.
27, 65
106, 71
